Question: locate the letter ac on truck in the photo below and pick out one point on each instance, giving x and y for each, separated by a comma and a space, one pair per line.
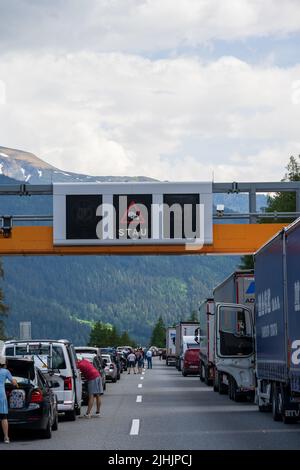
277, 312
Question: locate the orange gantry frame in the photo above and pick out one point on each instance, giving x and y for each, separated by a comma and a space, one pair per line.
228, 239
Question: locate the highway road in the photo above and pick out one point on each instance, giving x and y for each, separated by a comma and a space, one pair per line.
162, 410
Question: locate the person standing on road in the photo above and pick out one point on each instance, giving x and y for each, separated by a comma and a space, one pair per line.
131, 362
4, 375
139, 356
95, 387
149, 359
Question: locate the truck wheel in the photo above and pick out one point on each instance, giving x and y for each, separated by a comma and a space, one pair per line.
201, 372
275, 404
215, 387
236, 396
230, 394
221, 387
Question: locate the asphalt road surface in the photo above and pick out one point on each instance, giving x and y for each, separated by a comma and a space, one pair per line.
162, 410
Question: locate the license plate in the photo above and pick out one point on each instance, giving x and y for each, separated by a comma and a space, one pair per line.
194, 367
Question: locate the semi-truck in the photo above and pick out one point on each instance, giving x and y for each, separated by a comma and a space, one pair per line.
205, 337
170, 346
227, 336
277, 315
183, 329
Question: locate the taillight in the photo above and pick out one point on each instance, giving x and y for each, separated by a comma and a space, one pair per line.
36, 396
68, 383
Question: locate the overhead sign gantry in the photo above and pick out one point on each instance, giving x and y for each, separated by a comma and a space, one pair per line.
139, 218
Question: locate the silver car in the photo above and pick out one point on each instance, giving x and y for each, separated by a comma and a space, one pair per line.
110, 368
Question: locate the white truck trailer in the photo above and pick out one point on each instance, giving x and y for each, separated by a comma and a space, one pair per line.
170, 346
183, 329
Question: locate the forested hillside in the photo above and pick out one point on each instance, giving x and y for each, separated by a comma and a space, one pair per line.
62, 295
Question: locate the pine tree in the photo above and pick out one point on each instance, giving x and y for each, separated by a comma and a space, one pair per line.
285, 201
158, 337
194, 316
280, 202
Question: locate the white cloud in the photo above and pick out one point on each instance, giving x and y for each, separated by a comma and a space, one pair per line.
140, 25
121, 114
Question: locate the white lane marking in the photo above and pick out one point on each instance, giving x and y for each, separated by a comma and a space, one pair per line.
139, 399
140, 385
135, 427
143, 373
142, 378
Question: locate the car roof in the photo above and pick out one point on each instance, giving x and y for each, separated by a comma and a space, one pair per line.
35, 341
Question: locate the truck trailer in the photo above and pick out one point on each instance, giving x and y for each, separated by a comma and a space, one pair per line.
170, 346
183, 329
234, 354
205, 338
277, 314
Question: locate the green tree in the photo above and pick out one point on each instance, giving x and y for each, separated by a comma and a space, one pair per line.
285, 201
247, 262
158, 337
279, 202
100, 335
194, 316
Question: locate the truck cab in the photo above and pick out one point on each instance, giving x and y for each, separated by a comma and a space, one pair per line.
234, 351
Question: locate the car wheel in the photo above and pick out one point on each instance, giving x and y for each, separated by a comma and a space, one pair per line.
184, 373
114, 380
47, 433
104, 386
78, 410
55, 423
71, 415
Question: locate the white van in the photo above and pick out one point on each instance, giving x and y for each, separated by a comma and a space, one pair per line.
57, 360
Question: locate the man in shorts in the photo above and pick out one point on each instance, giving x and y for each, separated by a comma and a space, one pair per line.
95, 388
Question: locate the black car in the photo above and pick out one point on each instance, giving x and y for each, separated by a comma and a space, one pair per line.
38, 409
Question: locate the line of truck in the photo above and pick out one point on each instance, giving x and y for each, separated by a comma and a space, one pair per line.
249, 330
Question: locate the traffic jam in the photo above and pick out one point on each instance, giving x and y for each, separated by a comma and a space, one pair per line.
247, 342
47, 380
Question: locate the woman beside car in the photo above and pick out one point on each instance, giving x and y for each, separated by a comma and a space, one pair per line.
4, 375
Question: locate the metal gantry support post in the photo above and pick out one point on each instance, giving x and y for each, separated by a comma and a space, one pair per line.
252, 204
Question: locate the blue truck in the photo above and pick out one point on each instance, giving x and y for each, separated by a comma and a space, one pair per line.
277, 325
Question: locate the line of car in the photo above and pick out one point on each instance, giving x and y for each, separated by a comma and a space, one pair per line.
49, 381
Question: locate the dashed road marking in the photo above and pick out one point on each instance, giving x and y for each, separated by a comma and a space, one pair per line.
139, 399
140, 385
142, 378
135, 427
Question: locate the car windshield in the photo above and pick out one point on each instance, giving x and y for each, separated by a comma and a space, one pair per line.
41, 353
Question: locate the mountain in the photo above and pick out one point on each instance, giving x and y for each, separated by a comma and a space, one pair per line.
63, 296
28, 168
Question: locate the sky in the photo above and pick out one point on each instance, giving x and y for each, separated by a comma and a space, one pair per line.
185, 90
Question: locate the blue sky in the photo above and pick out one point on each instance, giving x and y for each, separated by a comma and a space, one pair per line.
172, 90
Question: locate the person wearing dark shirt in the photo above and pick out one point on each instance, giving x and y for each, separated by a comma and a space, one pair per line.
95, 388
